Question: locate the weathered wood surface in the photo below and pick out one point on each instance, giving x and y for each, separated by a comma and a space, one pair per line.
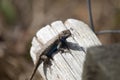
65, 66
102, 63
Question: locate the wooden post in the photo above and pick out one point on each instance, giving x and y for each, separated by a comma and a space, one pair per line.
102, 63
65, 66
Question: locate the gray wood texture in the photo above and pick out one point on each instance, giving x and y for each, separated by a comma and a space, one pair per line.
102, 63
65, 66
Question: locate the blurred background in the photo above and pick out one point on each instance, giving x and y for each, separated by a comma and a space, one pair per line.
20, 19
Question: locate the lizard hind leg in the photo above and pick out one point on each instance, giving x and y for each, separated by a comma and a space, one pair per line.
46, 60
47, 65
44, 57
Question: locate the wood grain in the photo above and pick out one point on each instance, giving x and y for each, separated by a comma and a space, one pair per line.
65, 66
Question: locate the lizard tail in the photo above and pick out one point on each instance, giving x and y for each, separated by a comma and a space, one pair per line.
35, 69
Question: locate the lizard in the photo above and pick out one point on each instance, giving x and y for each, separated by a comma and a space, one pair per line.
55, 44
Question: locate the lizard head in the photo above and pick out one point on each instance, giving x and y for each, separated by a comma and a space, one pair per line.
65, 34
